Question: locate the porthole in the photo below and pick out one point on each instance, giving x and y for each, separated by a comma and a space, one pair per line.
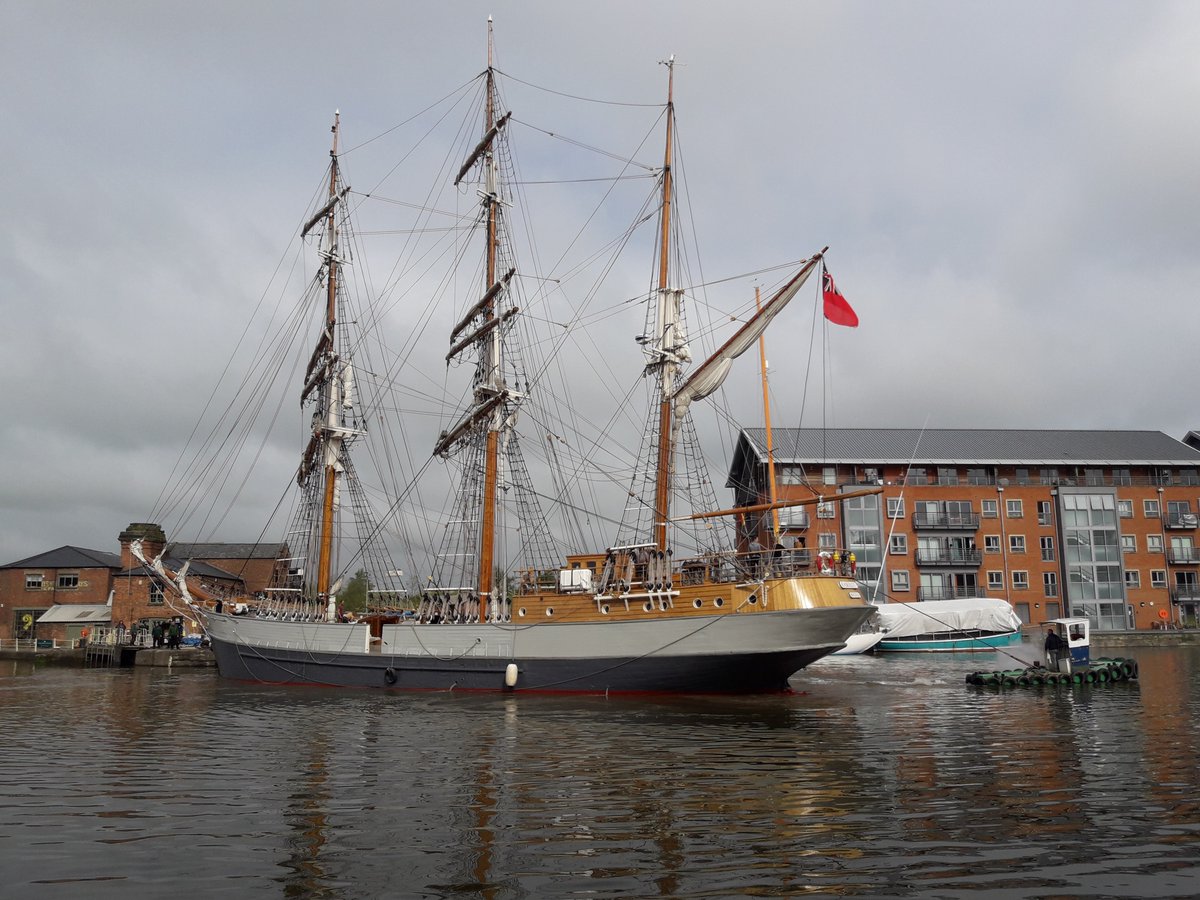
549, 610
719, 602
753, 599
697, 603
647, 606
521, 612
604, 609
662, 604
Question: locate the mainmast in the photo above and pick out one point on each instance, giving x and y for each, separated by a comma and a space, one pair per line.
332, 436
665, 338
771, 486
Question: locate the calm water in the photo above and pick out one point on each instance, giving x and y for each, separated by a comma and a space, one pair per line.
885, 777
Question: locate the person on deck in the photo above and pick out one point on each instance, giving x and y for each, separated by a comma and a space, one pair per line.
1054, 647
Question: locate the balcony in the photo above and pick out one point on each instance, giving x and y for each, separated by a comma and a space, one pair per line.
1188, 593
1182, 521
945, 521
1183, 556
948, 593
794, 518
970, 558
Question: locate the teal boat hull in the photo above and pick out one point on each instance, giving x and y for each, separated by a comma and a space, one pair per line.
948, 644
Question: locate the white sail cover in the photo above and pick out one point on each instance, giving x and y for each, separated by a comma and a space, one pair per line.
712, 373
933, 616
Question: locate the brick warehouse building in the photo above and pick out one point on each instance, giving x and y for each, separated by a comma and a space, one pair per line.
1095, 523
81, 588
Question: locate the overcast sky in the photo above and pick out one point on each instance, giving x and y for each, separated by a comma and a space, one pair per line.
1010, 193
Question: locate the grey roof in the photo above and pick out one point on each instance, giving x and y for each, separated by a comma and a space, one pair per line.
224, 551
68, 558
879, 446
195, 567
78, 613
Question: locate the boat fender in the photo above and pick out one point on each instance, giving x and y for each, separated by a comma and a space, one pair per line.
389, 675
510, 675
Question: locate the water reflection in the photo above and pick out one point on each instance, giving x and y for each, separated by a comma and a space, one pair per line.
880, 777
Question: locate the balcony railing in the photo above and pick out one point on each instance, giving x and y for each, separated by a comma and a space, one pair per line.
946, 521
1188, 556
1183, 521
973, 558
949, 593
1188, 592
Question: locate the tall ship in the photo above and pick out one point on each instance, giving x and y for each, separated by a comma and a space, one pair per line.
678, 601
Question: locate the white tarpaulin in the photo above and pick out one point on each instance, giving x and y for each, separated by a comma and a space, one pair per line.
932, 616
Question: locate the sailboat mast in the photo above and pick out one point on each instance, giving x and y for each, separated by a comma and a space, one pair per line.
762, 361
487, 540
332, 440
667, 313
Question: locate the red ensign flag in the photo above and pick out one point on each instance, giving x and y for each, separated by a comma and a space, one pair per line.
837, 310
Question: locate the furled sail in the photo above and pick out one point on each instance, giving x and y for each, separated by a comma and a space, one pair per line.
712, 373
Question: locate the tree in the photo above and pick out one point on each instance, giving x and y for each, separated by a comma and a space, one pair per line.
353, 597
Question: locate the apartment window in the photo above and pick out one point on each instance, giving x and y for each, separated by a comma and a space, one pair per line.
33, 581
1047, 549
1014, 509
991, 543
995, 581
918, 475
1022, 476
1050, 584
1154, 543
900, 580
1048, 476
156, 594
1129, 543
1093, 476
895, 507
1189, 476
1133, 578
1125, 509
1158, 578
1016, 543
825, 510
826, 540
947, 475
978, 476
790, 474
829, 475
1045, 516
989, 509
1150, 509
898, 545
1122, 476
68, 580
1020, 581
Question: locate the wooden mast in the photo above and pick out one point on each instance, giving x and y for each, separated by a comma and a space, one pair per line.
494, 375
325, 560
662, 480
771, 489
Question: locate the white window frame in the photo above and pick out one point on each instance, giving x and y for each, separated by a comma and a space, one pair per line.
1158, 578
995, 580
1050, 584
829, 475
900, 580
1014, 509
991, 543
1020, 580
825, 509
1151, 509
1154, 543
34, 581
895, 507
826, 540
1047, 545
67, 581
898, 545
989, 509
1133, 578
1016, 543
1125, 509
1045, 511
1129, 543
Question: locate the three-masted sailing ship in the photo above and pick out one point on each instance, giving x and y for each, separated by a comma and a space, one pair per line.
636, 616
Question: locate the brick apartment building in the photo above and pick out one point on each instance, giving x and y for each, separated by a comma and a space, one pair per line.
1094, 523
63, 591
